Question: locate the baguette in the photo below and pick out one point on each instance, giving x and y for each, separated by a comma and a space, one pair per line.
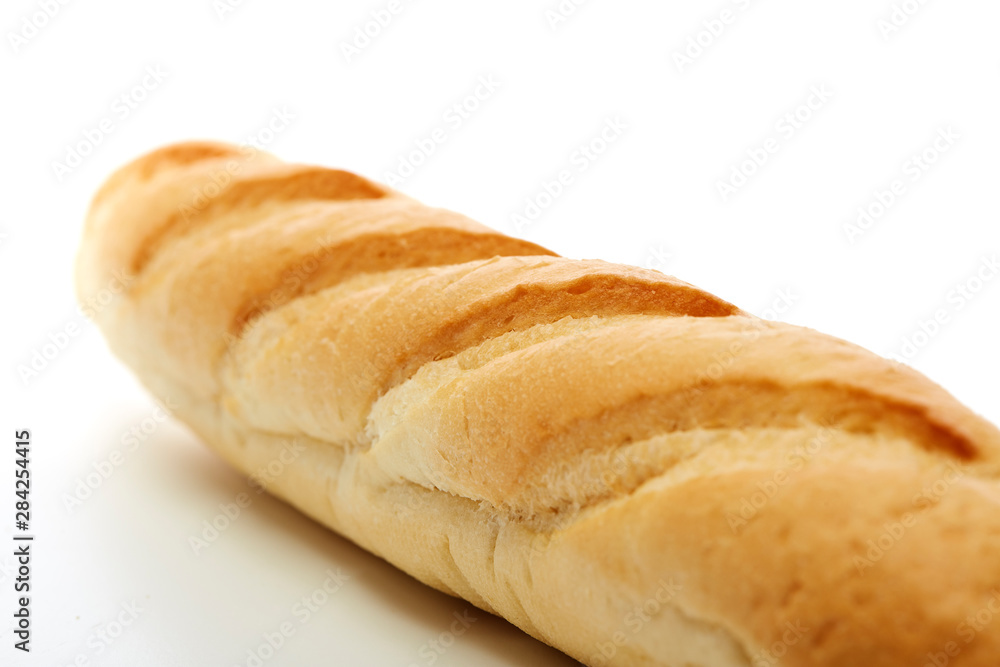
622, 465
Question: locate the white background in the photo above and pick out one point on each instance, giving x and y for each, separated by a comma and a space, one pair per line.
651, 198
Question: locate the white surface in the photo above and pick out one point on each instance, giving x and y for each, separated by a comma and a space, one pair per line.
652, 193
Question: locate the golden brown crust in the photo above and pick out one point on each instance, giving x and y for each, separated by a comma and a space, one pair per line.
623, 465
500, 446
367, 341
285, 183
156, 161
890, 601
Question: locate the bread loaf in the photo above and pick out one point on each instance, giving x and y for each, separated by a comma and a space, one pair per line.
623, 465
